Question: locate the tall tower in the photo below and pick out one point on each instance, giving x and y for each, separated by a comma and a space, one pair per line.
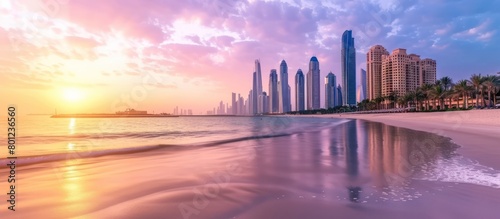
233, 104
255, 95
273, 92
374, 71
362, 84
250, 103
339, 96
299, 91
258, 87
348, 62
313, 96
285, 93
330, 91
259, 76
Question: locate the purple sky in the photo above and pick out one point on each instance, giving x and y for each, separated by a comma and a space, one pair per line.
156, 55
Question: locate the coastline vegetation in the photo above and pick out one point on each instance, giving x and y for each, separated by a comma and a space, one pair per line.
476, 92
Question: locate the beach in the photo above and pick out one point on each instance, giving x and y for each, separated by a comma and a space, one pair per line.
290, 167
477, 131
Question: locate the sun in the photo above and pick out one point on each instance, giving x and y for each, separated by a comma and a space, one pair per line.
72, 94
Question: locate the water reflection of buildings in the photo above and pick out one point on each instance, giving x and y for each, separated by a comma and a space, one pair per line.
361, 153
349, 140
380, 149
388, 153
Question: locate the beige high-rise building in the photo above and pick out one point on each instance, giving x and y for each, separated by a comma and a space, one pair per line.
402, 73
374, 71
428, 71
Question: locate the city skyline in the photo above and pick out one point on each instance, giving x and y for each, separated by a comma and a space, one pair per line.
299, 91
331, 98
205, 50
313, 84
348, 70
284, 88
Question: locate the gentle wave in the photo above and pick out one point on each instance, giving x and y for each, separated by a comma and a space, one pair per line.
98, 153
58, 138
462, 170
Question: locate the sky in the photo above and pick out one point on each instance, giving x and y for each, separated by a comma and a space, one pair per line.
107, 55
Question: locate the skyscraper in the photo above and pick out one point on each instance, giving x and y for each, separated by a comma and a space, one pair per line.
280, 99
222, 108
264, 102
255, 95
330, 91
363, 84
258, 87
313, 96
299, 91
250, 102
241, 105
402, 73
427, 73
348, 62
339, 96
273, 92
289, 98
234, 106
259, 76
285, 93
374, 71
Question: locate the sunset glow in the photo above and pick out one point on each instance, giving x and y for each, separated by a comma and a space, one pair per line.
73, 94
207, 48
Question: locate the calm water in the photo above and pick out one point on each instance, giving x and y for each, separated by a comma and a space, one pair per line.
42, 135
261, 167
366, 147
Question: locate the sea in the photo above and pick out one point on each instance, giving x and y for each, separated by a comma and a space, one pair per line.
243, 167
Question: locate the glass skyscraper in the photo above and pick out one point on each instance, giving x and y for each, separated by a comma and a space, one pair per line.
273, 92
299, 91
313, 93
363, 84
285, 93
255, 95
257, 88
348, 62
330, 91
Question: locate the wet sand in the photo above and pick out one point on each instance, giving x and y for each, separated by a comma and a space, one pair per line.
355, 170
477, 131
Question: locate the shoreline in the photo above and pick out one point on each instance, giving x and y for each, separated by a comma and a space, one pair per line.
355, 169
477, 132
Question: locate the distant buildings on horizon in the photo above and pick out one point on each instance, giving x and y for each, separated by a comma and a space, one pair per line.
385, 74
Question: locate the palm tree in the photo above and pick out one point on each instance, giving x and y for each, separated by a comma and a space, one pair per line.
407, 99
419, 97
496, 89
425, 91
363, 105
464, 88
378, 101
456, 95
438, 93
490, 83
477, 82
446, 82
393, 97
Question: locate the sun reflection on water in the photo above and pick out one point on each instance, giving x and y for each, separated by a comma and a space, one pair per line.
72, 185
71, 146
71, 126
